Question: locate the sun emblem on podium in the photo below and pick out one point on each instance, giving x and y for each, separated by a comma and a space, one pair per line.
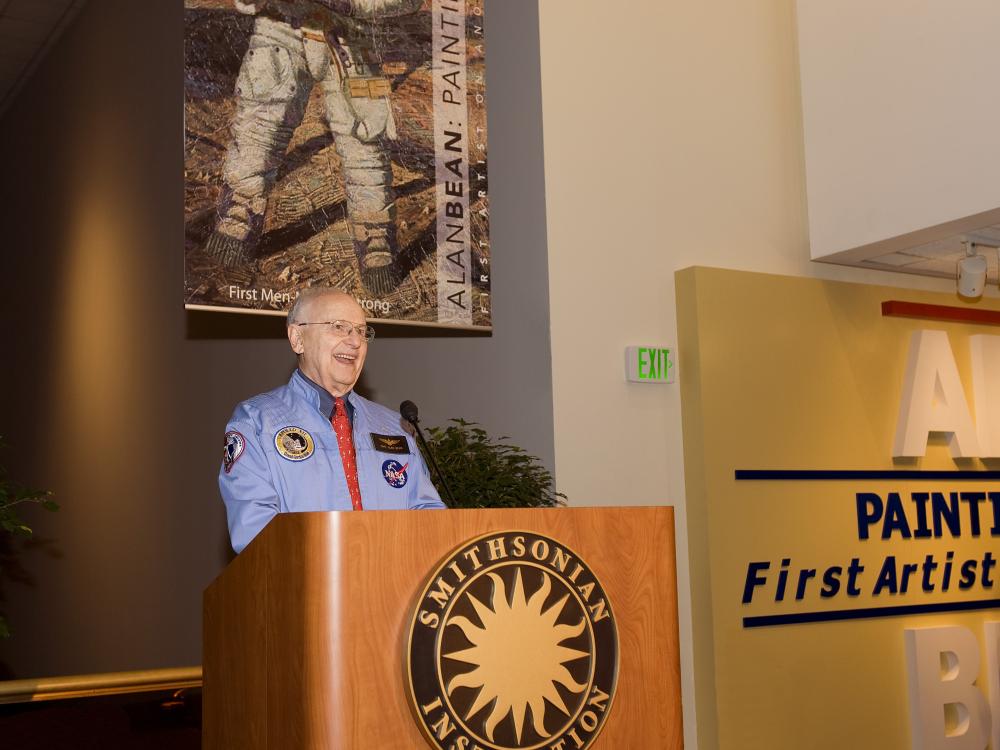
513, 645
517, 656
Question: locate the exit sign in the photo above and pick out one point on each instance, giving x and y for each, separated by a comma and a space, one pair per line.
649, 364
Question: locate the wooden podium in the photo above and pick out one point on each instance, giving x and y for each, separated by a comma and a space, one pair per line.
305, 632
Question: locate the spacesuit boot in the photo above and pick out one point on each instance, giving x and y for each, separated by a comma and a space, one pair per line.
241, 220
375, 246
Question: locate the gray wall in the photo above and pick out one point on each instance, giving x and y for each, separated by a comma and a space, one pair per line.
115, 398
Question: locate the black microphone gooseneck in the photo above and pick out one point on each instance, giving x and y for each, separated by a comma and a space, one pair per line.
408, 411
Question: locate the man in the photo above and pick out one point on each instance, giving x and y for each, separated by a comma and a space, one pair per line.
314, 444
296, 45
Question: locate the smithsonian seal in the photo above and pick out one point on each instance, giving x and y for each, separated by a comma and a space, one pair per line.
513, 644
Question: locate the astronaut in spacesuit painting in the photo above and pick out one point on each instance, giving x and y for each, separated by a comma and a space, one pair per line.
316, 152
296, 45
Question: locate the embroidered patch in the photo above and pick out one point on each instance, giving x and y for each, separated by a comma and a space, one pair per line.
235, 443
390, 443
294, 443
395, 473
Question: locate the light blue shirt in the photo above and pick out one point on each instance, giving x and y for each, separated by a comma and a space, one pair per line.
282, 457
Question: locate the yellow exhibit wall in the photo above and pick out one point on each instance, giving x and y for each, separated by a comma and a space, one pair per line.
783, 373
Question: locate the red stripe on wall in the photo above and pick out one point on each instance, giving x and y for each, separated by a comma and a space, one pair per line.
947, 313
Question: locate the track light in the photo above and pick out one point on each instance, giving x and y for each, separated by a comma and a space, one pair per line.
971, 272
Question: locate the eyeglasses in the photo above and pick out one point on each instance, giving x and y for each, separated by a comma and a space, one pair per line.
344, 328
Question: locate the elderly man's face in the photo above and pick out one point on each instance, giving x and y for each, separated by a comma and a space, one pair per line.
333, 362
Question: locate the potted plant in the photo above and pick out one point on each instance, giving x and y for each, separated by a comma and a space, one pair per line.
483, 473
13, 495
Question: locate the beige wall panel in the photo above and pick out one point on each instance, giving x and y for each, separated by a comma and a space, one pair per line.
673, 137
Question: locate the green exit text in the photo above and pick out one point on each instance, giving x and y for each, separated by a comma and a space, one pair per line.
654, 364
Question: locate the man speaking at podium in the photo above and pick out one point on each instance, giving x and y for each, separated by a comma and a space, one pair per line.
314, 444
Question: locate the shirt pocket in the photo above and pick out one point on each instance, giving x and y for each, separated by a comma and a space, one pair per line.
329, 469
390, 477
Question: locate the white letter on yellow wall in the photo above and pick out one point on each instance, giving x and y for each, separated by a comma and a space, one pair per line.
942, 666
993, 664
933, 400
985, 351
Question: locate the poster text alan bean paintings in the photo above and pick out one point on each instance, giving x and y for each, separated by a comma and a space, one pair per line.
341, 143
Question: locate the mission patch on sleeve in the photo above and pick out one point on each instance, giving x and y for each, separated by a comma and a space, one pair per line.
235, 444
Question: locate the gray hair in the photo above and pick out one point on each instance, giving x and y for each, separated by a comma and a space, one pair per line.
297, 312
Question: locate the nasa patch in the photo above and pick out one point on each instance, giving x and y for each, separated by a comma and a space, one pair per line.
395, 473
294, 443
235, 444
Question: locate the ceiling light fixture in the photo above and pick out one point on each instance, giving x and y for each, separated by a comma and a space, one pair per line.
971, 274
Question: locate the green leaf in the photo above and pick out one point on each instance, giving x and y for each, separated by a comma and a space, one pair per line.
13, 494
487, 473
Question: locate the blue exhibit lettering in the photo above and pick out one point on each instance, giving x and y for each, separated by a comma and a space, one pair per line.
892, 582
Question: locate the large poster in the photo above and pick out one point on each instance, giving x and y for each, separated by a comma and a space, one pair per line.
337, 142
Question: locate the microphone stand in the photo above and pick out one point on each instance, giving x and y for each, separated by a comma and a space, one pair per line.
415, 421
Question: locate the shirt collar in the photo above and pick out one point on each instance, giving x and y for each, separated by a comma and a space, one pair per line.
326, 399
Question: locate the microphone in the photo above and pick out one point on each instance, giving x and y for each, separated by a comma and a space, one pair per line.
408, 411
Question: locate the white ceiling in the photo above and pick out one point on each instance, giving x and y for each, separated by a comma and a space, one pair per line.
28, 28
939, 257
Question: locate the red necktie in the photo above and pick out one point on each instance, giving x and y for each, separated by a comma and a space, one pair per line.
345, 441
